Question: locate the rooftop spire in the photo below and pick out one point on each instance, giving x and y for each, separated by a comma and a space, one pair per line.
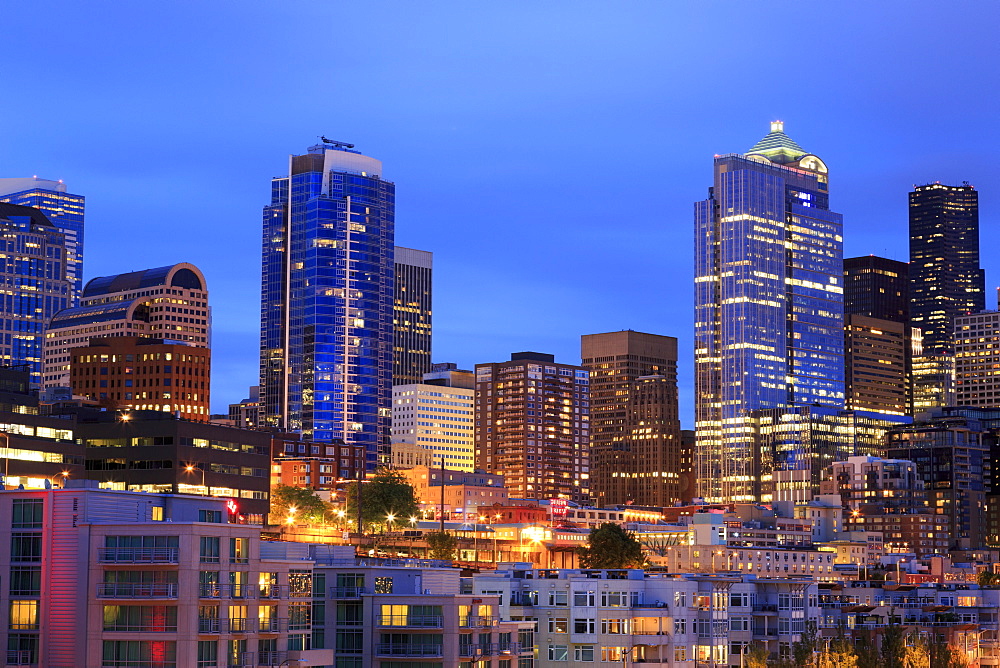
778, 147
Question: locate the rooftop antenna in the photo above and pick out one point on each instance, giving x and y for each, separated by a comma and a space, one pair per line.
337, 144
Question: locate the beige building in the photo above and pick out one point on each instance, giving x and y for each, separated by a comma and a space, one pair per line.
977, 359
437, 417
464, 491
875, 365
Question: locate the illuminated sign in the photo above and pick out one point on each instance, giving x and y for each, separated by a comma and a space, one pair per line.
558, 507
232, 506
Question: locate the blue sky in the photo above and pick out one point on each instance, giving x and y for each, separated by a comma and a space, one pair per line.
548, 153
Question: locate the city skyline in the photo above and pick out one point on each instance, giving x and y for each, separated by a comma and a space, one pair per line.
512, 146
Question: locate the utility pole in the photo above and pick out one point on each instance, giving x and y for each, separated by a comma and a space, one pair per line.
442, 493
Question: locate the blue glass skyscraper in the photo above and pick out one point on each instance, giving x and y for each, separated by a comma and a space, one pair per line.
327, 299
768, 311
62, 209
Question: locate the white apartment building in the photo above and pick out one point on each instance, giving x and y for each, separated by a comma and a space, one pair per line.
438, 419
977, 359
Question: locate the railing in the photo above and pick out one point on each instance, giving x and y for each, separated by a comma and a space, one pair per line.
242, 660
475, 622
238, 625
268, 591
506, 648
765, 607
271, 658
137, 555
273, 625
137, 590
407, 649
211, 590
473, 650
417, 621
212, 625
516, 599
21, 657
347, 592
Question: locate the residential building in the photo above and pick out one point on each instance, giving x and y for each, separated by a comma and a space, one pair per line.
326, 299
33, 283
100, 578
166, 302
875, 364
323, 467
533, 426
636, 451
38, 451
147, 451
141, 373
768, 306
977, 359
877, 287
463, 494
63, 209
412, 612
411, 343
946, 279
437, 415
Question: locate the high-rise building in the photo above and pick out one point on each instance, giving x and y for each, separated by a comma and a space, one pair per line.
533, 426
876, 365
33, 283
411, 343
636, 452
142, 373
977, 359
437, 416
945, 277
165, 303
63, 209
769, 306
327, 299
877, 287
246, 414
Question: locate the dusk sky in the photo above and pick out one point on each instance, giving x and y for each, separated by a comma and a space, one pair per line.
547, 153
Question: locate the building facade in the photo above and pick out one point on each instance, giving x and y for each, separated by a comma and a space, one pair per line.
141, 373
63, 209
326, 299
636, 452
438, 418
166, 302
946, 279
34, 285
977, 359
412, 315
875, 365
533, 426
877, 287
768, 304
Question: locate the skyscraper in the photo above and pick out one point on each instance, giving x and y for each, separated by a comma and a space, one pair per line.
411, 343
877, 287
327, 299
33, 283
768, 308
945, 277
63, 209
636, 451
532, 426
165, 302
977, 359
875, 354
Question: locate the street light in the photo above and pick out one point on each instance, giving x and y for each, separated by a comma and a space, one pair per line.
65, 476
191, 468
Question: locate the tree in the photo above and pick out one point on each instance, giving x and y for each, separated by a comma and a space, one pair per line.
893, 645
385, 495
756, 656
987, 578
804, 649
301, 504
839, 655
867, 652
610, 546
442, 545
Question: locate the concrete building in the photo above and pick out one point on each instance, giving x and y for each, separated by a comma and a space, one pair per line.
533, 426
636, 451
412, 315
246, 414
875, 365
140, 373
977, 359
166, 303
322, 467
464, 491
436, 415
106, 578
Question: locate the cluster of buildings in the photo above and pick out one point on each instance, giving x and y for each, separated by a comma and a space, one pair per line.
847, 419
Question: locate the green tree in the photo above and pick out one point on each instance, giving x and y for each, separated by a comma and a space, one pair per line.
804, 650
301, 504
610, 546
893, 649
867, 651
385, 495
987, 578
840, 654
442, 545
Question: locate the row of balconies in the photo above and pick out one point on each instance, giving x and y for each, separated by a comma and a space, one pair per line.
169, 590
434, 622
243, 625
420, 650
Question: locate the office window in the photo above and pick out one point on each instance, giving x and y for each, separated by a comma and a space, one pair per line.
27, 514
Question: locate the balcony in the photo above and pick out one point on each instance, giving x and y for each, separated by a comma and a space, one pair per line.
477, 622
21, 657
765, 607
272, 592
137, 590
209, 625
271, 658
408, 650
475, 651
210, 590
137, 555
347, 592
272, 625
411, 621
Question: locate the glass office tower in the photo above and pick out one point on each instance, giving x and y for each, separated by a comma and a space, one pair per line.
768, 312
327, 299
63, 209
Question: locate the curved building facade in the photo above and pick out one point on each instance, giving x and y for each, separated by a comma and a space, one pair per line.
165, 302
